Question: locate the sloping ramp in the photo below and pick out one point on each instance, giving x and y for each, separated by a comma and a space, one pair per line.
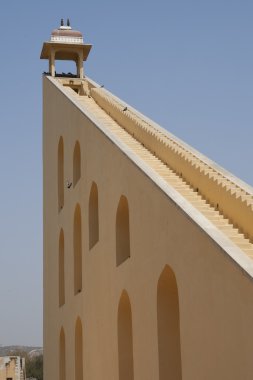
222, 199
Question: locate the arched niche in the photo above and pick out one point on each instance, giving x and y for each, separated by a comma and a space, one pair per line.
122, 231
125, 339
93, 216
62, 356
77, 240
168, 325
76, 164
60, 174
78, 350
61, 270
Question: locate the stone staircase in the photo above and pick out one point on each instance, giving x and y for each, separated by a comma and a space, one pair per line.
191, 193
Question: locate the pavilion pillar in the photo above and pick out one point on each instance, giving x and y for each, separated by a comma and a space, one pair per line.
52, 63
80, 65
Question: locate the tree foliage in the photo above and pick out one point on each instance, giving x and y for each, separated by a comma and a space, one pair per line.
34, 367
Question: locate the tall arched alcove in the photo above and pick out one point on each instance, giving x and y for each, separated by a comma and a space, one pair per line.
60, 174
61, 270
168, 325
62, 356
76, 163
77, 241
125, 339
122, 231
78, 350
93, 216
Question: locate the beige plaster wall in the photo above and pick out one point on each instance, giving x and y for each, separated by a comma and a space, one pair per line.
215, 294
10, 368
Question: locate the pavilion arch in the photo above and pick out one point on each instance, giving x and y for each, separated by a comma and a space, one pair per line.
125, 338
60, 174
76, 163
78, 350
61, 269
93, 216
62, 356
122, 231
168, 326
77, 241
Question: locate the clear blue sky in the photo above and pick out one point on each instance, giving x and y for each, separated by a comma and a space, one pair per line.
186, 64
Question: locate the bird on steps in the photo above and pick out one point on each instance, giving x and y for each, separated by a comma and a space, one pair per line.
69, 184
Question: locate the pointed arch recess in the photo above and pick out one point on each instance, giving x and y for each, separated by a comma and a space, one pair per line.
62, 356
76, 164
168, 325
61, 270
60, 174
93, 216
122, 231
78, 350
77, 237
125, 339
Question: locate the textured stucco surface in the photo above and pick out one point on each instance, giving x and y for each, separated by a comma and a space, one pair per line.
215, 288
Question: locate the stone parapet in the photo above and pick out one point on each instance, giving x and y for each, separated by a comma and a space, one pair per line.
232, 200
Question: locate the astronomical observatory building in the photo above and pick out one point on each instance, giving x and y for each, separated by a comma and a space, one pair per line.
148, 255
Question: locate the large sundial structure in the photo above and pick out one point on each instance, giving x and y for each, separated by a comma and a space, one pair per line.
148, 255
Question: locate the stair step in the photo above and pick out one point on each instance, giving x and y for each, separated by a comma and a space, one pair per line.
173, 178
249, 252
245, 246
